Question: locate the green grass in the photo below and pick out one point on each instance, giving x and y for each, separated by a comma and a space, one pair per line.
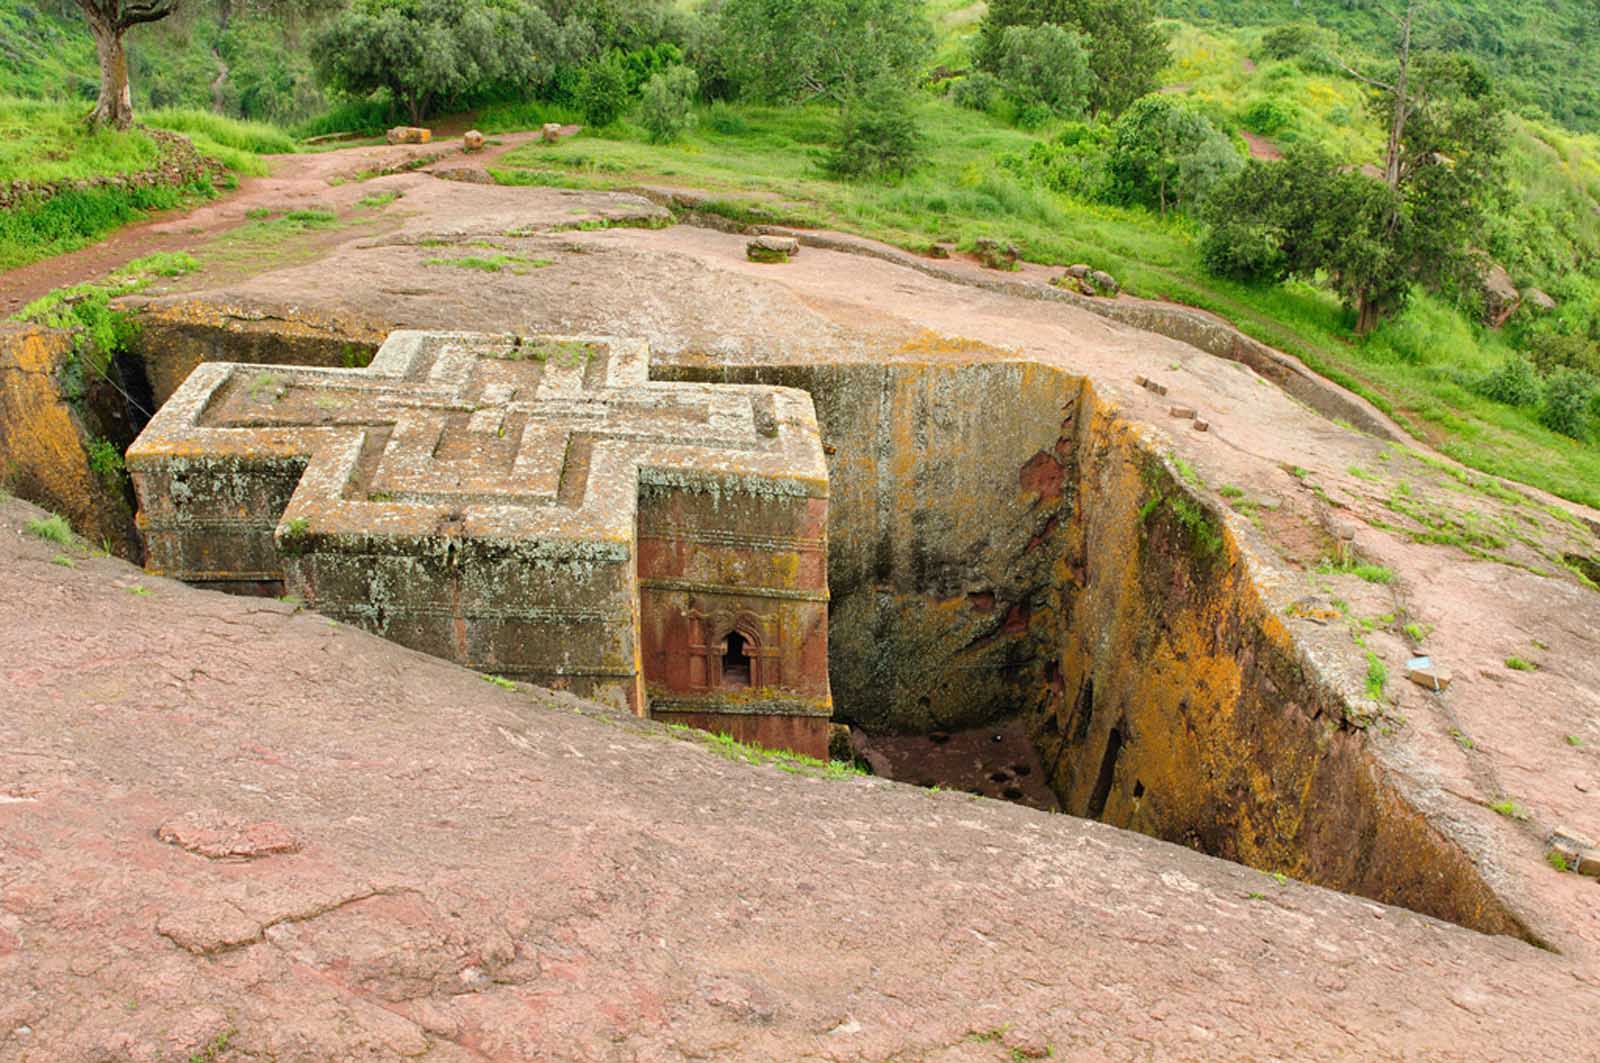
1361, 569
1377, 677
793, 763
42, 141
378, 200
493, 263
1517, 664
500, 681
52, 529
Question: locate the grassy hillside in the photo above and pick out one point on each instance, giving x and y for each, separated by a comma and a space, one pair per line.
766, 163
1547, 53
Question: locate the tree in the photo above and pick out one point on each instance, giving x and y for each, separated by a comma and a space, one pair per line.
878, 136
1442, 161
1126, 47
1308, 217
602, 93
1045, 66
796, 51
668, 106
432, 52
108, 21
1163, 154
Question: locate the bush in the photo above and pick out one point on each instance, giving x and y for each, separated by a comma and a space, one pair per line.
878, 137
602, 91
1570, 399
1032, 116
1045, 66
668, 107
1515, 383
977, 91
1267, 117
1291, 39
1244, 250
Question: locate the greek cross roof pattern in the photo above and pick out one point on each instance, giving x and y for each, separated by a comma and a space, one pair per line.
498, 436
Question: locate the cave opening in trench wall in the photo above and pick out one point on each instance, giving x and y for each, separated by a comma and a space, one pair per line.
1028, 603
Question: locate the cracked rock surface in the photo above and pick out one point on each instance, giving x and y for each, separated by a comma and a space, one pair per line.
230, 826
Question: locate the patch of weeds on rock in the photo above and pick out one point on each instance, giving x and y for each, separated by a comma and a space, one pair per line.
1517, 664
213, 1049
500, 681
1363, 570
64, 561
1556, 860
514, 264
378, 200
1574, 741
266, 387
139, 590
1509, 809
1377, 677
52, 529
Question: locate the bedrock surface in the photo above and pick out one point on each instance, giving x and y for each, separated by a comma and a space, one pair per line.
224, 818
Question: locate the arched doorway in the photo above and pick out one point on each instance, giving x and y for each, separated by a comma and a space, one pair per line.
736, 660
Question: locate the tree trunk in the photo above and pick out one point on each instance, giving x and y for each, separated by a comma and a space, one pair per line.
115, 107
1366, 314
1402, 103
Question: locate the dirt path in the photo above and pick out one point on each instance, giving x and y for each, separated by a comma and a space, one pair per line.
328, 179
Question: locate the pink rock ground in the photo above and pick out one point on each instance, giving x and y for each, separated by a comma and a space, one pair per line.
234, 830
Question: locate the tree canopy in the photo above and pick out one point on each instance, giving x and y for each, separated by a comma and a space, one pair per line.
1126, 47
793, 51
427, 53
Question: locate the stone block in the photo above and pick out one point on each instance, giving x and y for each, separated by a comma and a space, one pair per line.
1588, 863
996, 255
550, 132
1155, 386
1183, 412
472, 140
1425, 673
772, 248
534, 507
1201, 425
409, 134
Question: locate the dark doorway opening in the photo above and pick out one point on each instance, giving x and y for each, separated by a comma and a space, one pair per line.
736, 661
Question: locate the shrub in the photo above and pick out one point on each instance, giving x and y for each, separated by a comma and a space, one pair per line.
668, 107
878, 137
1045, 67
602, 91
1266, 116
1245, 250
1515, 383
977, 91
726, 120
1032, 116
1290, 39
1570, 398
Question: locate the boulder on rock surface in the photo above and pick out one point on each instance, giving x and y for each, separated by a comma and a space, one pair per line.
1500, 296
1078, 270
409, 134
996, 255
1104, 283
550, 132
772, 248
472, 140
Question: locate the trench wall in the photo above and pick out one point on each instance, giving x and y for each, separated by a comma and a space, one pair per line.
948, 487
45, 439
1179, 705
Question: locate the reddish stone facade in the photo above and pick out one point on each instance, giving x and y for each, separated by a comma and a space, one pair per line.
529, 507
